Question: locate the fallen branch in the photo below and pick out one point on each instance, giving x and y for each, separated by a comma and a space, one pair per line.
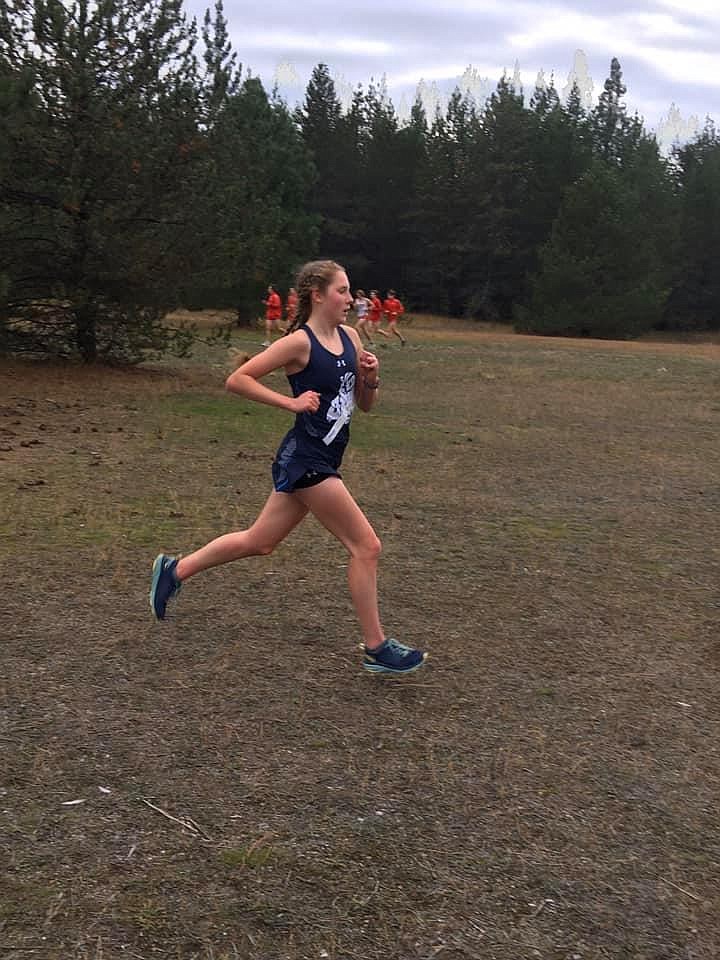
186, 822
681, 889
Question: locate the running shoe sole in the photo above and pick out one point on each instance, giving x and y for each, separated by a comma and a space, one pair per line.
380, 668
156, 571
388, 672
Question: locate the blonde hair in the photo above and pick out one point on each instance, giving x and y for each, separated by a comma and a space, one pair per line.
237, 357
315, 275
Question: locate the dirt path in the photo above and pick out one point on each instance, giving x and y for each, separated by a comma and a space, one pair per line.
229, 784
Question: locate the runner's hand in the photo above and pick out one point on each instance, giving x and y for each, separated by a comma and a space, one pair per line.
307, 402
369, 364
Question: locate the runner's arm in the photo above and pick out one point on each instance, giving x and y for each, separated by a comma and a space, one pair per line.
291, 351
368, 368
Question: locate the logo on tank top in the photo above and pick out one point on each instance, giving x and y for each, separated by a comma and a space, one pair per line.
340, 410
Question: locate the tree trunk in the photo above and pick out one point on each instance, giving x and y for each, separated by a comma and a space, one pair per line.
86, 333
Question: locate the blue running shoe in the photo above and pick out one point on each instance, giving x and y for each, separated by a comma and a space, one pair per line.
393, 657
164, 584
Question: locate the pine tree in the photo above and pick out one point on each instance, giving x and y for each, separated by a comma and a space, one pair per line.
99, 145
615, 135
596, 275
657, 226
560, 154
320, 121
252, 223
222, 74
445, 206
505, 184
411, 235
320, 114
609, 116
385, 191
695, 299
353, 138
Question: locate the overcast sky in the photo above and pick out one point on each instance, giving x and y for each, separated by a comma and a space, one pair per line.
669, 50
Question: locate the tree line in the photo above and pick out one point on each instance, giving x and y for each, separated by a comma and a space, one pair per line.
141, 169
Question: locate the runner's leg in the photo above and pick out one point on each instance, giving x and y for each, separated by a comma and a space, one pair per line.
280, 515
335, 508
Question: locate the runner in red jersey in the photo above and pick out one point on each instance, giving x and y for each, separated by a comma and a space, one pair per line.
375, 314
393, 309
291, 306
273, 314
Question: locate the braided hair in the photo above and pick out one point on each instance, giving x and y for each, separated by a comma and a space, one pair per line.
315, 275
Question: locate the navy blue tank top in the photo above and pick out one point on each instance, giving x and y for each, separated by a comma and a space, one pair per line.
317, 441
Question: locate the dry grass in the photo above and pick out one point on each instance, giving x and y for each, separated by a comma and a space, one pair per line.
547, 788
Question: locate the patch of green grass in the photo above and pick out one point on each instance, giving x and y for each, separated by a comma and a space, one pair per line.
381, 431
63, 517
535, 528
227, 419
657, 568
149, 915
619, 368
20, 898
224, 418
252, 857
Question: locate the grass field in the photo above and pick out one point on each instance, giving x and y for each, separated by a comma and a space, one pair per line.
229, 784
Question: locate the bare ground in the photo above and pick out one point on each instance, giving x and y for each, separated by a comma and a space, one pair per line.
229, 784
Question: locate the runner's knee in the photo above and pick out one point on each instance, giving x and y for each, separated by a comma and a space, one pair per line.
260, 546
368, 549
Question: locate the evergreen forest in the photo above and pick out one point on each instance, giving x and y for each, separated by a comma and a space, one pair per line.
143, 168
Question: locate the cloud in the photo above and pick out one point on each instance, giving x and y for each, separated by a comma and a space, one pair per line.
661, 26
683, 66
288, 41
672, 50
667, 48
626, 33
706, 10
